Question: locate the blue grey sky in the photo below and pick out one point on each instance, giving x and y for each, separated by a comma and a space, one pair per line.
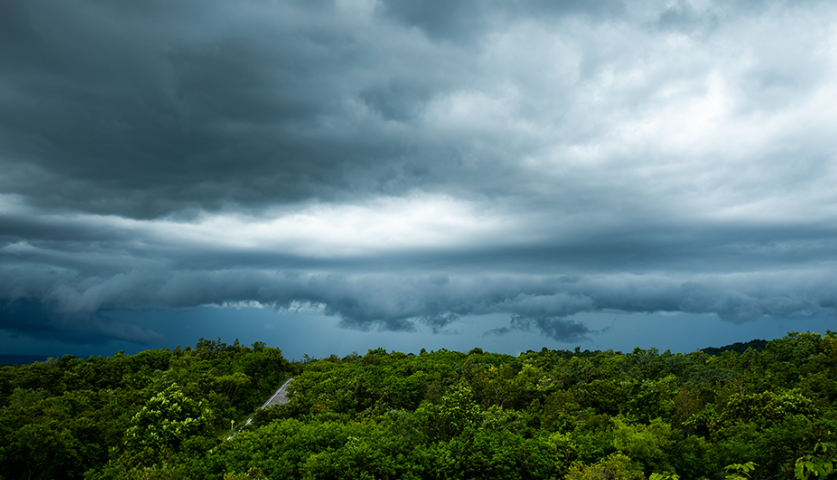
360, 173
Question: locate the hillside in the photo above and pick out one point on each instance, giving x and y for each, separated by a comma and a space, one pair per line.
442, 414
737, 347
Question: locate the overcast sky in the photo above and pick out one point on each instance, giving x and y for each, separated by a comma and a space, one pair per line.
414, 169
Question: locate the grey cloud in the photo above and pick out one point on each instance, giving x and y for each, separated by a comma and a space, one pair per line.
557, 328
76, 270
682, 16
461, 20
398, 100
403, 303
155, 122
645, 170
120, 109
264, 110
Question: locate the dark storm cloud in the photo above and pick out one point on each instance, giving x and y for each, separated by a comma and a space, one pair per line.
152, 110
405, 165
403, 303
145, 111
35, 319
558, 329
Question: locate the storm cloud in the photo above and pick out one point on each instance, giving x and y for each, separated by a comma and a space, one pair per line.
406, 165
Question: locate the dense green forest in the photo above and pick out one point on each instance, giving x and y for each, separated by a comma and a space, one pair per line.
760, 413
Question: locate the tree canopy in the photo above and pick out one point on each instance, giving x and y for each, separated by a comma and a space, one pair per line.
547, 414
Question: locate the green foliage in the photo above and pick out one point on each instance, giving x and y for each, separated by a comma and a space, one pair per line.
740, 471
160, 471
661, 476
166, 421
456, 413
498, 454
40, 451
437, 415
819, 464
649, 444
767, 407
252, 474
613, 467
69, 417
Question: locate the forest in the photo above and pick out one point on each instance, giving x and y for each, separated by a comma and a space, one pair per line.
757, 411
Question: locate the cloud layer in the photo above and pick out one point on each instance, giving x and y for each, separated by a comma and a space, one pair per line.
406, 165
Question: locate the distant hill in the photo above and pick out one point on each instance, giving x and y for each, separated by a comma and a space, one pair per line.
21, 359
737, 347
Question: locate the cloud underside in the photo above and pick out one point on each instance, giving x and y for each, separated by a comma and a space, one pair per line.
399, 303
403, 165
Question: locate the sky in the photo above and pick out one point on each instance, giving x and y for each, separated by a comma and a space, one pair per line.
335, 175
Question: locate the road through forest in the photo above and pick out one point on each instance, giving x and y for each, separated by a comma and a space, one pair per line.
279, 396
